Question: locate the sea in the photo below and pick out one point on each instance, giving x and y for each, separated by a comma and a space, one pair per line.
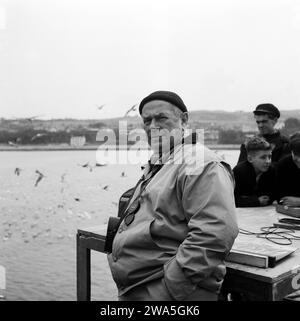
45, 196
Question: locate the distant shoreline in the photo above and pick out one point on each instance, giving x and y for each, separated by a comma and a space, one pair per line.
65, 147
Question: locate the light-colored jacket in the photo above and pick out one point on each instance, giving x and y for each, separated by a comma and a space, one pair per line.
184, 228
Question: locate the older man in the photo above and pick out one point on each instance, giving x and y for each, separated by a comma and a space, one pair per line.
180, 222
266, 117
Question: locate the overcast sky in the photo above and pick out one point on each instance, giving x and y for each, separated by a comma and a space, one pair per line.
62, 58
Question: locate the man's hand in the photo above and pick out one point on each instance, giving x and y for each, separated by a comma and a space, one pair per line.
264, 200
290, 201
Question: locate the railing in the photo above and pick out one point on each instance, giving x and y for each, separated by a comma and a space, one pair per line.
87, 241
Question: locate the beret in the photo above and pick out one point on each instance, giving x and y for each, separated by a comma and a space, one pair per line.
167, 96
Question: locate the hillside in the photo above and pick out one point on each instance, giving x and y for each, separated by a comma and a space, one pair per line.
220, 127
218, 118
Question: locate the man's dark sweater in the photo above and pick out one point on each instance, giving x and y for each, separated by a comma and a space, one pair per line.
288, 178
280, 143
247, 190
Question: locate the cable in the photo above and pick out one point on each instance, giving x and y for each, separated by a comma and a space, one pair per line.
272, 233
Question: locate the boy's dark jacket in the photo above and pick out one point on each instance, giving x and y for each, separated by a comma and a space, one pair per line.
247, 190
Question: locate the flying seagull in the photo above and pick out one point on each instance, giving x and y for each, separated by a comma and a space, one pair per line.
84, 165
30, 119
87, 165
37, 136
17, 171
62, 178
40, 177
12, 144
133, 108
99, 164
100, 107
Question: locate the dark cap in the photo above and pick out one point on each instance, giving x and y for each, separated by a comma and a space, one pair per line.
167, 96
269, 109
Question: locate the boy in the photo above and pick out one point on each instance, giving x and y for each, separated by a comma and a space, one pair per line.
255, 177
288, 177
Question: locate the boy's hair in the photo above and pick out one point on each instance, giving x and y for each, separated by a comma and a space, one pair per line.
256, 143
295, 143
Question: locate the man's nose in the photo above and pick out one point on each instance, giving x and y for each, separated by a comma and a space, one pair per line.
153, 124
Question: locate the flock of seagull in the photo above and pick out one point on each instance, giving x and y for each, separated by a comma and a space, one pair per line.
9, 225
86, 165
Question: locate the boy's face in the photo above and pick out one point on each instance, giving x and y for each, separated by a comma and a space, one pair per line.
261, 160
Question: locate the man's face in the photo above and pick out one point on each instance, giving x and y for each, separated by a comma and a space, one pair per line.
296, 159
162, 121
261, 160
265, 124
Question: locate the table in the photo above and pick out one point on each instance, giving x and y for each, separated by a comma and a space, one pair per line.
271, 284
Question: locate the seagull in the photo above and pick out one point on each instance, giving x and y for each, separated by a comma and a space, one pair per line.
90, 167
133, 108
12, 144
40, 177
30, 119
105, 187
98, 164
123, 174
100, 107
17, 171
84, 165
62, 178
37, 136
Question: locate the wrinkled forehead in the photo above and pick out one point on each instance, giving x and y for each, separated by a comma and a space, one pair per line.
156, 107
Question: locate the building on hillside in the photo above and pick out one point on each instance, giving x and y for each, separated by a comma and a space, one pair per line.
77, 141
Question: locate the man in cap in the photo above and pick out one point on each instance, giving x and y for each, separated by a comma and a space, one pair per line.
180, 223
266, 116
289, 175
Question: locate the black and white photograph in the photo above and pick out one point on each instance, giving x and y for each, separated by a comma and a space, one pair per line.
149, 152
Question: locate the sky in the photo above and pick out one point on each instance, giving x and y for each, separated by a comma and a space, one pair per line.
63, 58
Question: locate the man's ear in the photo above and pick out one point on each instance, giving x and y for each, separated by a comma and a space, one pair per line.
184, 118
275, 120
249, 158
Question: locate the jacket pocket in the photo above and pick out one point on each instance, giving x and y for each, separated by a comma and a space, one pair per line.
177, 283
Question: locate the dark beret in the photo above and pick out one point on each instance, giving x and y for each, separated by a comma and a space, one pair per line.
167, 96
